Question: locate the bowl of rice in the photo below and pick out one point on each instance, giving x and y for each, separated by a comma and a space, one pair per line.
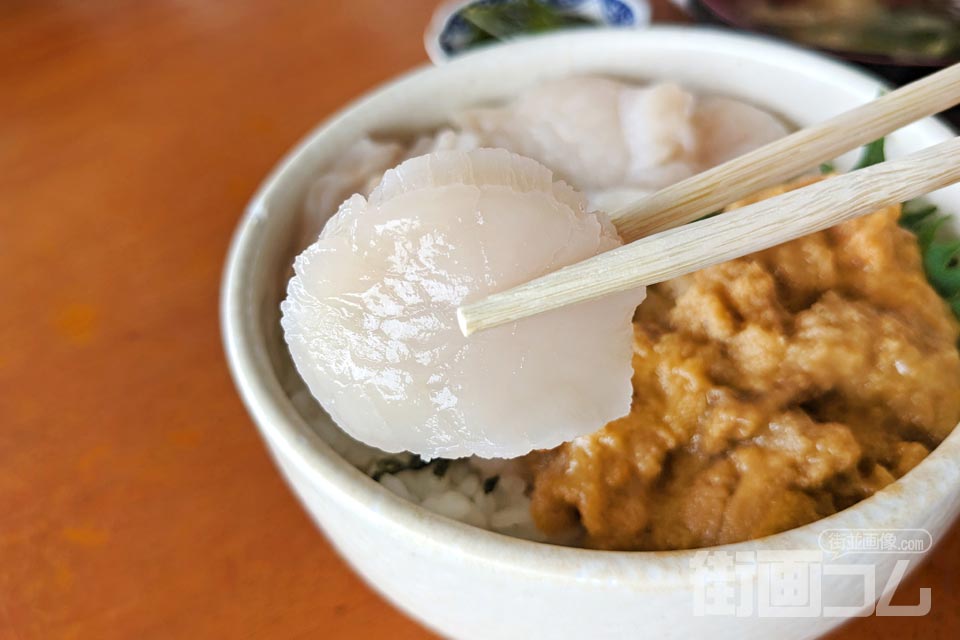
453, 542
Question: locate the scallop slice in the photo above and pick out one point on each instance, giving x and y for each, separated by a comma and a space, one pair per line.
351, 174
601, 134
571, 125
728, 128
362, 166
658, 128
442, 140
596, 133
370, 315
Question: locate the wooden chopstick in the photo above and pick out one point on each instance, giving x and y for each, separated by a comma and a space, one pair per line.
787, 157
679, 251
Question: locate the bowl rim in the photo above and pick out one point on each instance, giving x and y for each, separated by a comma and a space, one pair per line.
293, 440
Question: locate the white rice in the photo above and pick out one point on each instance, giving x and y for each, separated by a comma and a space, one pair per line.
490, 494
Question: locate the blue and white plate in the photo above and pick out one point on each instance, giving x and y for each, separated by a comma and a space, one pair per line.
449, 33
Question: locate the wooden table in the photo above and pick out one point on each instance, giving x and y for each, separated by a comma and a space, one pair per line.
136, 499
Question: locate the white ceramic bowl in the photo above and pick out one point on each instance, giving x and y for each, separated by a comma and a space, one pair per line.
469, 583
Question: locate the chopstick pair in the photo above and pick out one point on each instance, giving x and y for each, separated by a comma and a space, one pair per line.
657, 250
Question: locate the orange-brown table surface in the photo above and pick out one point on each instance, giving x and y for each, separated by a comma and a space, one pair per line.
136, 499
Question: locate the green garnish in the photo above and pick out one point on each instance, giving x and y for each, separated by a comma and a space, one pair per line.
915, 212
828, 167
941, 255
407, 462
395, 465
872, 154
506, 19
941, 261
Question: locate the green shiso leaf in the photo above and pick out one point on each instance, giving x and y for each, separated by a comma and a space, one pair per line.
941, 261
941, 256
916, 213
872, 154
